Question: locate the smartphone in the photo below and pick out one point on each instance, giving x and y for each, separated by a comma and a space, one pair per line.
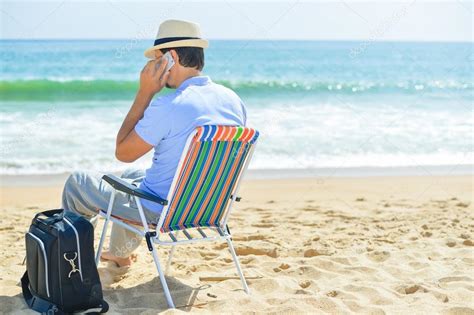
167, 56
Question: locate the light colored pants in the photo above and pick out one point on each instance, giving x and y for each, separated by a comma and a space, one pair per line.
85, 194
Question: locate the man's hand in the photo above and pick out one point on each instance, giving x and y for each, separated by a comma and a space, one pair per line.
152, 77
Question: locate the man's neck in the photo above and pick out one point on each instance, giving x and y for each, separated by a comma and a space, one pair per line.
188, 74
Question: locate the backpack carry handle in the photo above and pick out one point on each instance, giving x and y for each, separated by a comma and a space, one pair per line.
49, 214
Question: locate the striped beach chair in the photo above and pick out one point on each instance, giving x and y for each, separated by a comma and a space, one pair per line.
200, 197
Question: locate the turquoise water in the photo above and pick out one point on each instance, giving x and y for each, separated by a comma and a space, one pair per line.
317, 104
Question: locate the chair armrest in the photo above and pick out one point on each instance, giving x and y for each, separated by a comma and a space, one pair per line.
128, 188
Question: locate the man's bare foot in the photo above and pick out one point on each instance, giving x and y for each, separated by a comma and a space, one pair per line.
119, 261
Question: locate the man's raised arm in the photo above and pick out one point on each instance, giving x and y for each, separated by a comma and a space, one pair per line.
129, 145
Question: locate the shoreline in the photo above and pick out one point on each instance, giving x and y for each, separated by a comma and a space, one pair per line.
41, 180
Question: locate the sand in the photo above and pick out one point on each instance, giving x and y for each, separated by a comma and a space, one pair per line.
375, 245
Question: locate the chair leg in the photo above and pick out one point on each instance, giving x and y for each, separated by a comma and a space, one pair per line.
237, 264
101, 242
162, 277
104, 229
170, 256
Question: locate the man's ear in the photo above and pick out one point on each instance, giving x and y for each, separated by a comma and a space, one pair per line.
175, 56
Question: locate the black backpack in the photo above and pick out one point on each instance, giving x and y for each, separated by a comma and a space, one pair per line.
61, 275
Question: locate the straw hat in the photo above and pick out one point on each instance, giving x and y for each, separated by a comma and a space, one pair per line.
177, 33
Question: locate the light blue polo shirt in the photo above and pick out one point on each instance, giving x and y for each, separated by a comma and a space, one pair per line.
170, 119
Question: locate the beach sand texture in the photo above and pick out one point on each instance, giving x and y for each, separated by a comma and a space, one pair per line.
393, 245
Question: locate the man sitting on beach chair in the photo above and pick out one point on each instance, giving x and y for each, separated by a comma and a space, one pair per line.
162, 123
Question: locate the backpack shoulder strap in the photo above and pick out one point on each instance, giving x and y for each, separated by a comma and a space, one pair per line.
45, 307
34, 302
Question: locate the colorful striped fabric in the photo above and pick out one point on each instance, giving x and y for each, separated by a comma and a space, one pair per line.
208, 176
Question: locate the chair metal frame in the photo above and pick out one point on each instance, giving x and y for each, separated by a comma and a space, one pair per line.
153, 236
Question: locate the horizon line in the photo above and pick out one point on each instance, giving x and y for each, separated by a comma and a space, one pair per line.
252, 39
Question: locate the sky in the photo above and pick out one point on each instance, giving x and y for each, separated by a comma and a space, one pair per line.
232, 19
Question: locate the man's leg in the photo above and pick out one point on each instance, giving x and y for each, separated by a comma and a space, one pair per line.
85, 193
134, 174
122, 241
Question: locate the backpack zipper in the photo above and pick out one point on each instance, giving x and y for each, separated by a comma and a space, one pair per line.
45, 260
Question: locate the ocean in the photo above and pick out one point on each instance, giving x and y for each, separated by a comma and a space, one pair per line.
317, 104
